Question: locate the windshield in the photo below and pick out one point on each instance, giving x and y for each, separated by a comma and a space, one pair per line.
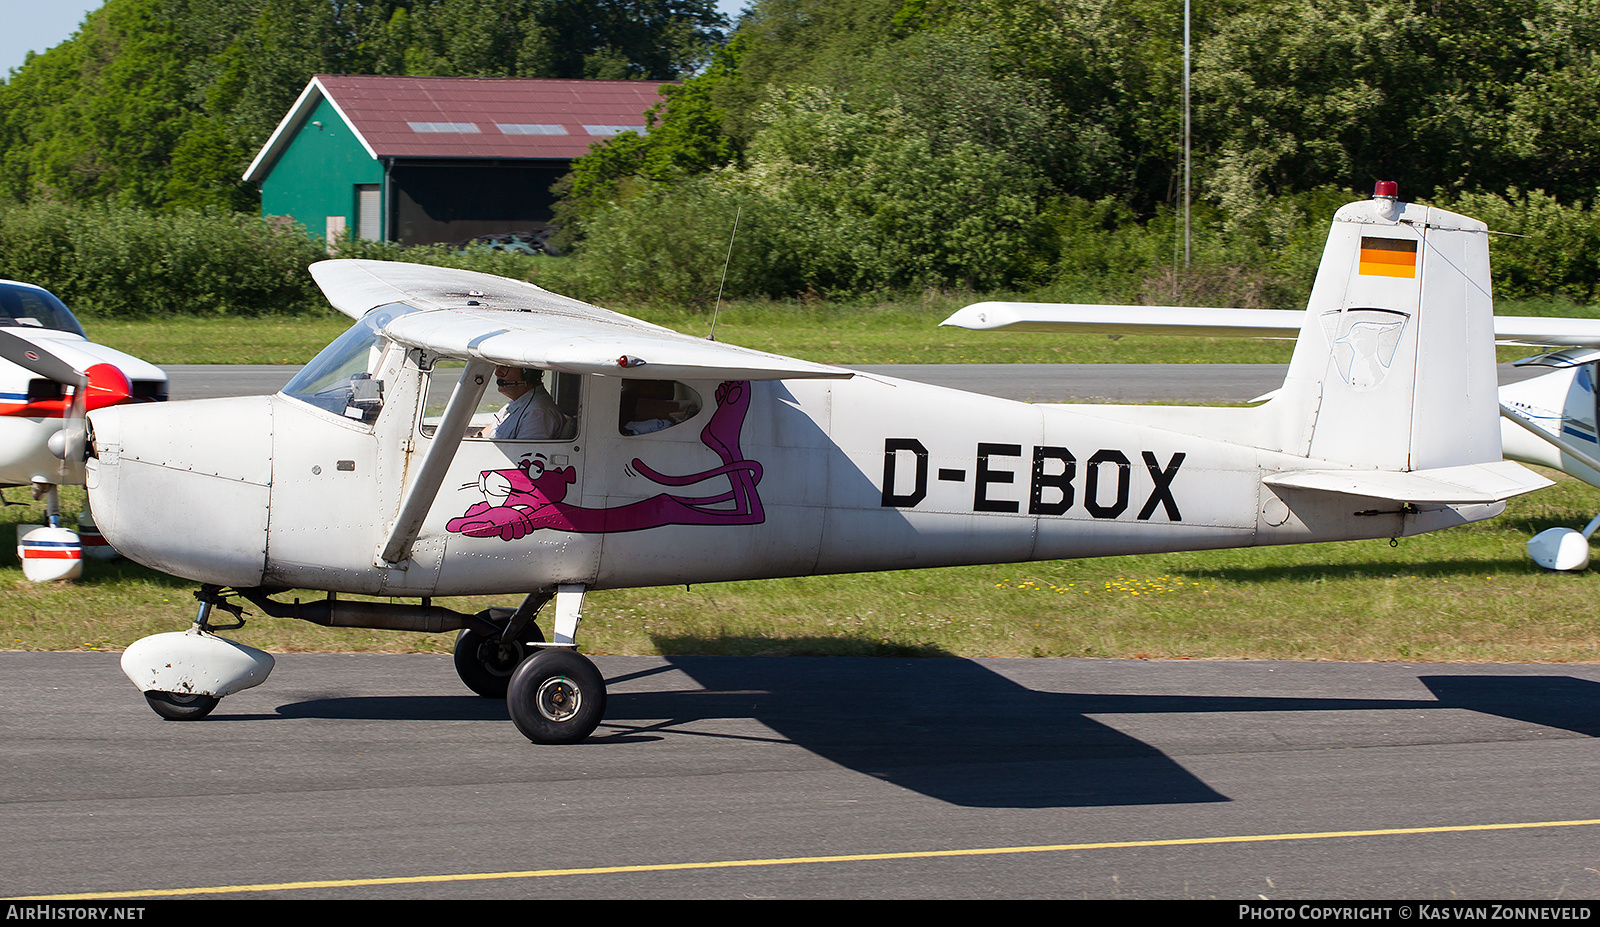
31, 307
340, 378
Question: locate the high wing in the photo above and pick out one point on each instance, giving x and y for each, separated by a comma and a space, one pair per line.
1213, 323
495, 321
508, 322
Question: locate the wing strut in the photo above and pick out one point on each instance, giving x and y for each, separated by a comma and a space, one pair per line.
420, 494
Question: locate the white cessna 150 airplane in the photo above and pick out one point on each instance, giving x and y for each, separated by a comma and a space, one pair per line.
51, 374
679, 460
1552, 419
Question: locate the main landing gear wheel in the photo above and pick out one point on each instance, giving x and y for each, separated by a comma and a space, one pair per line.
485, 664
556, 697
181, 706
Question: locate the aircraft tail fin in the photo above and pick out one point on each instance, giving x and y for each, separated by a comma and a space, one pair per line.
1394, 368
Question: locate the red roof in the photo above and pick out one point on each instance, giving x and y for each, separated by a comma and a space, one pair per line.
458, 117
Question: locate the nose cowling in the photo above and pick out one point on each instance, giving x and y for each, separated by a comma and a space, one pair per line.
183, 487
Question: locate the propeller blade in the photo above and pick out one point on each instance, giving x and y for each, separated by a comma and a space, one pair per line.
75, 429
29, 356
107, 384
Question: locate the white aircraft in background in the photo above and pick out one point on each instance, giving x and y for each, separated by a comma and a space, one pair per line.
681, 460
1550, 419
51, 374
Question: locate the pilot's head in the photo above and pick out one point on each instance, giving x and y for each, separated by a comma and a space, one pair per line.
514, 381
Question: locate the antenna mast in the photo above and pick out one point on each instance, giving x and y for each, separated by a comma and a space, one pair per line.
725, 261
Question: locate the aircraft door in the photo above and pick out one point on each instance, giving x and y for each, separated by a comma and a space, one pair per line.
338, 430
523, 452
1580, 416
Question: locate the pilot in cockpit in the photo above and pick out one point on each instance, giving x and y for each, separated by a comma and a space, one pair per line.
532, 413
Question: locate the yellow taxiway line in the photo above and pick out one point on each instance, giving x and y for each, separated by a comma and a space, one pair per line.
792, 861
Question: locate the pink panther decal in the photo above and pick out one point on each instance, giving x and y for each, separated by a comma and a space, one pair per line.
532, 496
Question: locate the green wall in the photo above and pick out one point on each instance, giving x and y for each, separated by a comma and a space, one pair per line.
317, 174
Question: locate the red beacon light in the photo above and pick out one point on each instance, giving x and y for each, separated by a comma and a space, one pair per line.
1386, 193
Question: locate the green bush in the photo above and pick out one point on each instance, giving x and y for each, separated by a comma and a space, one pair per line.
832, 201
122, 262
878, 216
1538, 247
669, 244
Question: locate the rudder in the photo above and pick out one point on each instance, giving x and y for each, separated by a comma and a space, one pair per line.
1394, 366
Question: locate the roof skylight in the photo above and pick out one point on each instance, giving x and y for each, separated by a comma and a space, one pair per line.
444, 128
530, 129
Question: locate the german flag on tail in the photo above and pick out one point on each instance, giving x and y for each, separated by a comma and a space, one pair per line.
1388, 257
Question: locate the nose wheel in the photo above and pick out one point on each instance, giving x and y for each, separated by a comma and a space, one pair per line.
184, 674
181, 706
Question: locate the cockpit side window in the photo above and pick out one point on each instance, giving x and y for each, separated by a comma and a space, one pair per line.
648, 406
520, 404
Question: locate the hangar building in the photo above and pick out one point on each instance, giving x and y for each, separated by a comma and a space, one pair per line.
418, 160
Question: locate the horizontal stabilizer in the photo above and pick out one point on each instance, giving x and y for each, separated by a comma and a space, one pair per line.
1083, 318
1089, 319
1465, 485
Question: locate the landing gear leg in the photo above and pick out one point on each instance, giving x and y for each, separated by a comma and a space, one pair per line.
52, 502
557, 696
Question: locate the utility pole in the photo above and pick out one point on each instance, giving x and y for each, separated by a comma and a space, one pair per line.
1186, 172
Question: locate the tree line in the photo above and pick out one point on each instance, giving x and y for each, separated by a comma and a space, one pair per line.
161, 104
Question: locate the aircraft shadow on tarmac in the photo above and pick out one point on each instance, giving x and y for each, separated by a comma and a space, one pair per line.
958, 732
1563, 702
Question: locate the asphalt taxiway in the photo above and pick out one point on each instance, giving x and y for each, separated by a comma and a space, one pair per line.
379, 776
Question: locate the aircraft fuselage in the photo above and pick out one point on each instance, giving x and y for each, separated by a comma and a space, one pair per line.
763, 479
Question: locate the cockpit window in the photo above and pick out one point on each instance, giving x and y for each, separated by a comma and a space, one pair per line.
30, 307
655, 405
342, 377
548, 410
